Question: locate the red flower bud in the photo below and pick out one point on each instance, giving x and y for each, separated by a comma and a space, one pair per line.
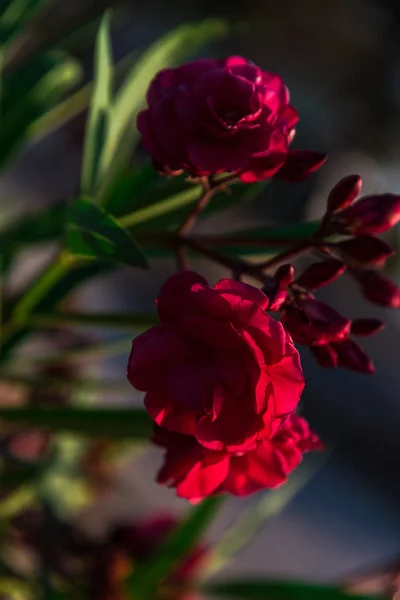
300, 164
344, 193
366, 249
326, 356
352, 356
366, 327
276, 288
379, 289
314, 323
321, 273
284, 275
371, 215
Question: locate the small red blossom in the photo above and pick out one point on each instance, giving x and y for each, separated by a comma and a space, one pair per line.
344, 193
217, 367
212, 116
196, 472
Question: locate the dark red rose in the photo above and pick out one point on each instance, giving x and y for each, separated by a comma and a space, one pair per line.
213, 116
217, 366
196, 472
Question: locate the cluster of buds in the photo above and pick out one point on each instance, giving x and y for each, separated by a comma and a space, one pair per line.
348, 235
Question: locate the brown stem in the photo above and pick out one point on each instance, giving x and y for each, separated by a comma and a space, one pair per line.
211, 187
287, 255
236, 265
182, 258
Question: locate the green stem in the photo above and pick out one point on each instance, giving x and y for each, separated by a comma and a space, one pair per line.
270, 505
49, 277
161, 208
119, 320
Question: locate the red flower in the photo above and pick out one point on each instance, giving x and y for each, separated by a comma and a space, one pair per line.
212, 116
217, 366
196, 472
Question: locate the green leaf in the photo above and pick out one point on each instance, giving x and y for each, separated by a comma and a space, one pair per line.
93, 234
275, 590
33, 228
146, 577
113, 423
100, 112
169, 50
28, 93
74, 105
14, 17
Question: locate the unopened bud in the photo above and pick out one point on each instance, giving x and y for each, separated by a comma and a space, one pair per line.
366, 327
321, 273
284, 275
379, 289
352, 356
344, 193
370, 215
326, 356
366, 249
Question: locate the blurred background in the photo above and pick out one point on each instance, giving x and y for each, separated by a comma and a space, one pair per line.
341, 62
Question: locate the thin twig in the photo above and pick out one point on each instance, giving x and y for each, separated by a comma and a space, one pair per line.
211, 187
182, 258
287, 255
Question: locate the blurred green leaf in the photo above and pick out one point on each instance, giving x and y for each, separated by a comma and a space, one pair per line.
74, 105
93, 234
33, 228
99, 120
273, 590
169, 50
14, 16
112, 423
28, 93
143, 582
271, 503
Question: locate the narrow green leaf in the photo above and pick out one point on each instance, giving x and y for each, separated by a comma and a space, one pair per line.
100, 112
275, 590
169, 50
93, 234
112, 423
14, 17
143, 582
29, 92
74, 105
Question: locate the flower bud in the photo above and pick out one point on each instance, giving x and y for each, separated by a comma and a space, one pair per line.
300, 164
379, 289
326, 356
321, 273
344, 193
370, 215
314, 323
352, 356
366, 249
284, 275
366, 327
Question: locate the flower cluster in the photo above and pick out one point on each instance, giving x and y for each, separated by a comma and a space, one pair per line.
222, 381
348, 235
213, 116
